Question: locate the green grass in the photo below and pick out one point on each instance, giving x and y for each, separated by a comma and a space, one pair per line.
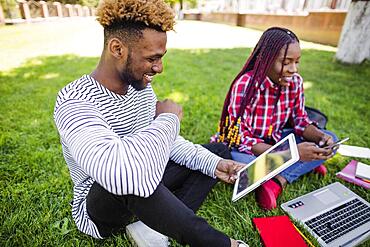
34, 180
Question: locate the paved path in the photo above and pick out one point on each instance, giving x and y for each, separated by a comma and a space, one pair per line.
84, 37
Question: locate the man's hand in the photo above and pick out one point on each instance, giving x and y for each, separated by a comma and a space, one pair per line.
168, 106
227, 170
309, 151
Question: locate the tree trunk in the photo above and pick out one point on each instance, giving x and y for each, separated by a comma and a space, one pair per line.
354, 43
181, 10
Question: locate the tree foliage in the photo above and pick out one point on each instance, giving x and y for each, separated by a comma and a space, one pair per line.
192, 3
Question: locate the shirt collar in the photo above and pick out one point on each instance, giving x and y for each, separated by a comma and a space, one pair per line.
268, 83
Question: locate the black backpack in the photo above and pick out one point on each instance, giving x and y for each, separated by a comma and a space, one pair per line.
317, 116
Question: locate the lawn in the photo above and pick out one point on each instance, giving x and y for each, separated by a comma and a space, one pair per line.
34, 180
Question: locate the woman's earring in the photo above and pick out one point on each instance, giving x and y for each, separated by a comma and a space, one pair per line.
280, 79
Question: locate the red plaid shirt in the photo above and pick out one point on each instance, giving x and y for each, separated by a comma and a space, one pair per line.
262, 111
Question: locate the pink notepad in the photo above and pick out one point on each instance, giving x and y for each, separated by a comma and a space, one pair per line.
348, 174
278, 231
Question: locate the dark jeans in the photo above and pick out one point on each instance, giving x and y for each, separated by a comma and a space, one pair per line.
170, 210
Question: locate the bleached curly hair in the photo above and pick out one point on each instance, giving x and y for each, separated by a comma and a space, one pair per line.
152, 13
125, 19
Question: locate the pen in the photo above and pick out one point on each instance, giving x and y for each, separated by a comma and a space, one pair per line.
305, 238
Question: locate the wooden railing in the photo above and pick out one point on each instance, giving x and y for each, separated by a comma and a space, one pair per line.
36, 10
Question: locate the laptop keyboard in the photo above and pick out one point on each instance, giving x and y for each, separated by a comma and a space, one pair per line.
340, 220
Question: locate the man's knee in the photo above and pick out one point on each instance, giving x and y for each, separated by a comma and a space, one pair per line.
219, 149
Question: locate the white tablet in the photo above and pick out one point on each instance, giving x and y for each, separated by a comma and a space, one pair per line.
267, 165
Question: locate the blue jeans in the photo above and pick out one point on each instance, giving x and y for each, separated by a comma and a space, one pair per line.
294, 171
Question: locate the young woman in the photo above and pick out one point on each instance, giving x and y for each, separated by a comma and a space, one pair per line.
265, 97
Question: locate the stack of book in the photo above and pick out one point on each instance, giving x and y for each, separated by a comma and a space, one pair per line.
357, 173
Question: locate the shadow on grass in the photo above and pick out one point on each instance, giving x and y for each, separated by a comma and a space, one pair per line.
36, 188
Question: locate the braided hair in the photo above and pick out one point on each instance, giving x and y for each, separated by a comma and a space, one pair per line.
259, 63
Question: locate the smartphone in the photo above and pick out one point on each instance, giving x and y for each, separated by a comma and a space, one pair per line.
337, 143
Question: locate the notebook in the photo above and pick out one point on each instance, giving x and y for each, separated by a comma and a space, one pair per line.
278, 231
334, 215
363, 171
354, 151
267, 165
349, 174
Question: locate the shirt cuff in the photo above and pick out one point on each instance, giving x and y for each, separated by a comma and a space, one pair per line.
213, 162
170, 115
301, 126
248, 143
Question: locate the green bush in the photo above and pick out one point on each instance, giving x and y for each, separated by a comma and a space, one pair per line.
10, 8
192, 3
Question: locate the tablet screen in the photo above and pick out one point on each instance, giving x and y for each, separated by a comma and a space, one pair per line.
264, 165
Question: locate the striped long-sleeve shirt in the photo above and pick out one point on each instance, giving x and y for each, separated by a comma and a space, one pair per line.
114, 140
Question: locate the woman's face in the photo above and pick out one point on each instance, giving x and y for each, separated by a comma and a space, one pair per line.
289, 64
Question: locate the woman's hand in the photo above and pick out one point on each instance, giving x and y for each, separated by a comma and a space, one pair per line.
309, 151
325, 140
227, 170
312, 133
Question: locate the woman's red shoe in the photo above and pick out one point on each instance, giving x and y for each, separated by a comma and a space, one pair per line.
267, 194
321, 169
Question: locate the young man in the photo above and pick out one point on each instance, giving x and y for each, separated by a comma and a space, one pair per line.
122, 146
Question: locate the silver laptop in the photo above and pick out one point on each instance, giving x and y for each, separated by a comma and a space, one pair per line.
334, 215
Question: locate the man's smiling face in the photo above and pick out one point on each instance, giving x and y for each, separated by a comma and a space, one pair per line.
144, 59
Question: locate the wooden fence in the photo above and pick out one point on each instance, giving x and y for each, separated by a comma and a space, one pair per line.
30, 11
